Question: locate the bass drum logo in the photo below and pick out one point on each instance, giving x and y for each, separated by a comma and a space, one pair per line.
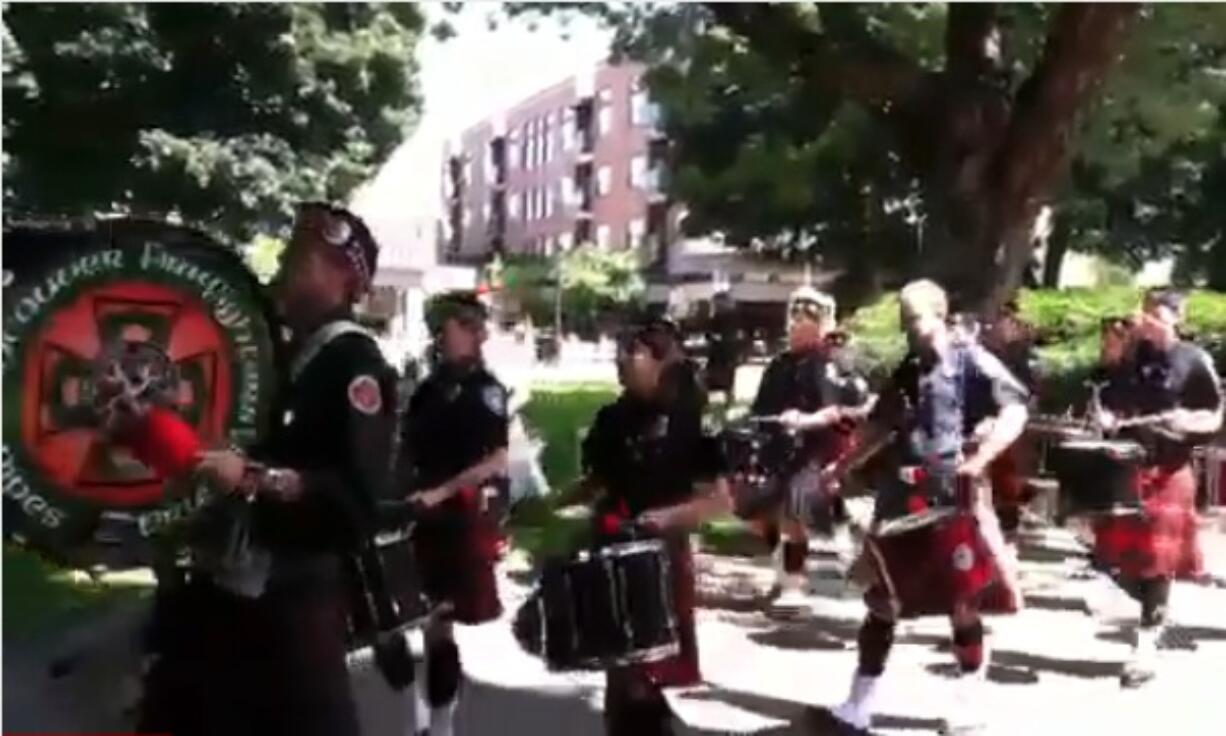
77, 297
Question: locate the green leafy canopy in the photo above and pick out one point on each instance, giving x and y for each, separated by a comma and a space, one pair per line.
221, 115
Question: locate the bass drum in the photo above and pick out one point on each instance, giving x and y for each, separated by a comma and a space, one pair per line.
75, 295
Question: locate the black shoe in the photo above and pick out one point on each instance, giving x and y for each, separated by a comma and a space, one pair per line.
826, 723
1135, 677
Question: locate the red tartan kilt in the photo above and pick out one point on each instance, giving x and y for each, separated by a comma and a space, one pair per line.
1161, 541
1007, 475
682, 668
930, 570
456, 564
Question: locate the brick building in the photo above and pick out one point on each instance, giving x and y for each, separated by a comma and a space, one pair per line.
578, 162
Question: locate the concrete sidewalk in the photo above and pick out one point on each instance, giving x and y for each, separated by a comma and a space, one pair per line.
1054, 667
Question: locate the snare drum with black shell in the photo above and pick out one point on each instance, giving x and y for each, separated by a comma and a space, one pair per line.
604, 608
386, 591
1098, 476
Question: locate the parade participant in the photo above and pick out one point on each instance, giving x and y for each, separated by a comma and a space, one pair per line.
1166, 377
723, 347
271, 658
1011, 340
807, 389
649, 458
454, 451
942, 395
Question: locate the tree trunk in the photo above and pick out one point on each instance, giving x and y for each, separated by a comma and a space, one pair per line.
1057, 247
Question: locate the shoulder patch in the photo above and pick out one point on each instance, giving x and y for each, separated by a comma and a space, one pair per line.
495, 399
365, 394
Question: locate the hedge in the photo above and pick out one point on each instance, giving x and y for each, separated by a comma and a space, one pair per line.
1067, 325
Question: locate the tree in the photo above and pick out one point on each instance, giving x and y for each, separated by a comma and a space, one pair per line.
595, 284
1141, 182
972, 109
221, 115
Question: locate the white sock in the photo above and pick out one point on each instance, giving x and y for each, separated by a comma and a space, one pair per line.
857, 710
967, 707
781, 575
442, 719
1145, 649
421, 708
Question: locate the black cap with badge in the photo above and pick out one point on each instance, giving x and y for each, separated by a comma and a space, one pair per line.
348, 233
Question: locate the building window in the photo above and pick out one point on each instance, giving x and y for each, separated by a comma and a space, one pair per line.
513, 206
566, 191
566, 241
638, 172
468, 217
545, 130
568, 128
512, 152
548, 201
604, 181
604, 236
606, 119
636, 233
485, 211
640, 107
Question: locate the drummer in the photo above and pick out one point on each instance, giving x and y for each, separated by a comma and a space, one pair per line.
807, 389
454, 453
1011, 340
649, 458
268, 656
1165, 376
943, 391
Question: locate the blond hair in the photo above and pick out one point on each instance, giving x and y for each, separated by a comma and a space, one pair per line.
925, 295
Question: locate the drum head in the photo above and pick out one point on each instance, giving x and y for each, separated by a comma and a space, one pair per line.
911, 522
1107, 447
638, 547
76, 296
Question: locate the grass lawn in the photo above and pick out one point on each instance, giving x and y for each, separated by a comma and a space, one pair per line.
40, 598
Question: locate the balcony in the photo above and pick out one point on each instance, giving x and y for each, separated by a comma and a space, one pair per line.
585, 127
585, 188
498, 161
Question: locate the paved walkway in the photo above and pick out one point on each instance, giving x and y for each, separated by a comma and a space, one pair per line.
1053, 667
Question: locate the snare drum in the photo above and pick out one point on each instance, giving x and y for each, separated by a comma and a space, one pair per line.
925, 563
605, 608
386, 591
1047, 434
1098, 476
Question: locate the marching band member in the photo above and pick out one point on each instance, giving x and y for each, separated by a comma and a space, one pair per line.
648, 455
270, 658
807, 389
454, 447
938, 396
1166, 377
1011, 340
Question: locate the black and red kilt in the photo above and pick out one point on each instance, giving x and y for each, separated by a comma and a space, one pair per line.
932, 569
682, 668
1161, 541
457, 547
234, 666
1007, 475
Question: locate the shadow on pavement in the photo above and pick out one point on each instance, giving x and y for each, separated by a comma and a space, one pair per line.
484, 709
1056, 603
1175, 636
809, 633
1074, 667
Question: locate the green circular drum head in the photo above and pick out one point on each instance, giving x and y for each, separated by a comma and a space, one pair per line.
97, 309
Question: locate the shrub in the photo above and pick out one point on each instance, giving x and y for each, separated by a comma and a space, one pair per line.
1067, 325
